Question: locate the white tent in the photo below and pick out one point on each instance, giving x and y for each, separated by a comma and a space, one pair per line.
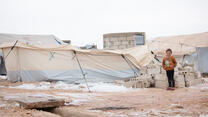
49, 40
193, 46
36, 62
181, 44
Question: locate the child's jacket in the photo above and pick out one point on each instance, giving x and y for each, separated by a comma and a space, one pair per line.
169, 63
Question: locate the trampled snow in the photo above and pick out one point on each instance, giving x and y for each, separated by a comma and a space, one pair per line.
3, 77
106, 87
78, 98
41, 86
94, 87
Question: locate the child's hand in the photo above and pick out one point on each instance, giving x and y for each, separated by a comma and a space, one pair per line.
172, 66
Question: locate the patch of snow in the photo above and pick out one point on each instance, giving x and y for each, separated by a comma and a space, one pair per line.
14, 96
41, 86
78, 101
204, 89
199, 86
46, 95
121, 115
6, 105
109, 113
78, 98
205, 80
178, 115
76, 95
139, 114
94, 111
104, 87
3, 77
3, 105
24, 86
203, 115
95, 87
42, 95
62, 85
17, 105
39, 95
44, 85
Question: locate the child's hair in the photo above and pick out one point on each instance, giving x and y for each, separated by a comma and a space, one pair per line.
168, 50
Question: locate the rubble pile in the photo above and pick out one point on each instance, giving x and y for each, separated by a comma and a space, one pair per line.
153, 75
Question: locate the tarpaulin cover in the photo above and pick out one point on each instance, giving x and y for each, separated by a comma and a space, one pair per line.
202, 59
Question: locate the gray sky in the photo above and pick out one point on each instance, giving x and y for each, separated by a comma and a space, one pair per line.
85, 21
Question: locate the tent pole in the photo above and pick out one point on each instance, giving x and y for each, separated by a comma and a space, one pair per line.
81, 70
126, 59
11, 50
155, 57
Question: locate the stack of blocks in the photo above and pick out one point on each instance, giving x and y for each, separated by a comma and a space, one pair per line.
153, 75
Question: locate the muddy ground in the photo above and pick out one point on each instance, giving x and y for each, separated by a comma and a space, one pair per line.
151, 102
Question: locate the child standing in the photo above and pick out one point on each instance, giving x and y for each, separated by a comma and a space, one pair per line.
169, 63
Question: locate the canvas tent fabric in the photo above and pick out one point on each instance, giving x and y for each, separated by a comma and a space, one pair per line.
182, 44
49, 40
29, 62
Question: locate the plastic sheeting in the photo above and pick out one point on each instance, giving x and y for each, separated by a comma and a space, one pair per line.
71, 76
199, 59
202, 59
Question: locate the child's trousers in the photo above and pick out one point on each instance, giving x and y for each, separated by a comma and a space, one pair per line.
170, 75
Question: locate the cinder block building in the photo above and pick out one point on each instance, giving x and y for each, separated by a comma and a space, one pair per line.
123, 40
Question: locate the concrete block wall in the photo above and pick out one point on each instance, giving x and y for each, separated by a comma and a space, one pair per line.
119, 43
120, 40
153, 75
179, 81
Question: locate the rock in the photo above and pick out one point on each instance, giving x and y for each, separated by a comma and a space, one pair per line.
161, 84
179, 81
37, 101
162, 77
71, 112
176, 106
139, 82
161, 81
153, 71
204, 89
82, 87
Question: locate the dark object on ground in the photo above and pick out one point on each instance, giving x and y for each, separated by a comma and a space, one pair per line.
112, 108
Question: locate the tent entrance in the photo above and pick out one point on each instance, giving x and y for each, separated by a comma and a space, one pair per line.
3, 71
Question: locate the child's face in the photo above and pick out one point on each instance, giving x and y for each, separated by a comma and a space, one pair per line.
168, 53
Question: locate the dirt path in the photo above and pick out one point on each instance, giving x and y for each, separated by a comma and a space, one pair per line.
144, 102
149, 102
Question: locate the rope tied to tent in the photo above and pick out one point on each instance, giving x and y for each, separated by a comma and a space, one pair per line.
130, 65
83, 74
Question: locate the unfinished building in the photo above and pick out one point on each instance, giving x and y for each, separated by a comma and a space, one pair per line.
123, 40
